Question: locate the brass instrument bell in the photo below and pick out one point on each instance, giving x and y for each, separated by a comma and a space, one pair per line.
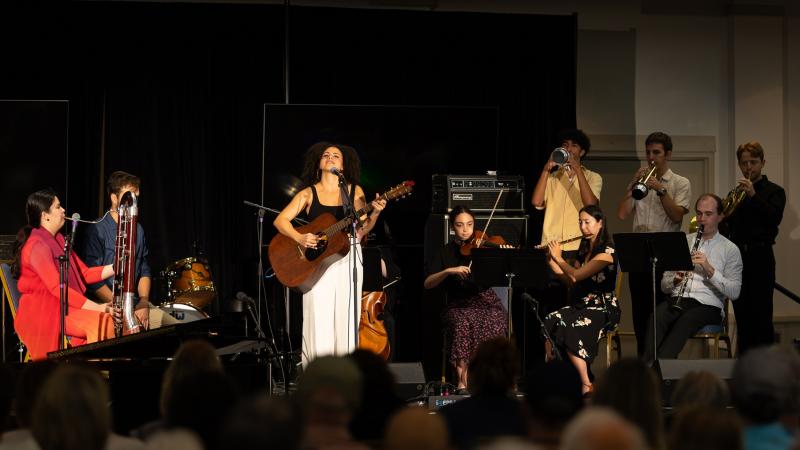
640, 189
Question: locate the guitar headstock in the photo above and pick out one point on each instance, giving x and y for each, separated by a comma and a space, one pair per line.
401, 190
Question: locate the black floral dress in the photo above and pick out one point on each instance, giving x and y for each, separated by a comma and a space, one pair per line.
472, 314
594, 311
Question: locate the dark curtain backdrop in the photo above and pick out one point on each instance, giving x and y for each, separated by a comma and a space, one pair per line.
174, 93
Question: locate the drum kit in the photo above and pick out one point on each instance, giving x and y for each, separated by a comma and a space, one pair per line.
189, 289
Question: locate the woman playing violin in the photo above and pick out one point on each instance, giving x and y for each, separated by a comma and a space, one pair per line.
472, 314
577, 329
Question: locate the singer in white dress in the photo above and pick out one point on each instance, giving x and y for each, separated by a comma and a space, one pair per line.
328, 309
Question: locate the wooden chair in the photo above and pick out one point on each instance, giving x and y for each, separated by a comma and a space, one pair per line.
717, 333
612, 337
12, 295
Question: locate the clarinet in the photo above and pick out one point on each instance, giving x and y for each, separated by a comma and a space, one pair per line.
688, 275
124, 286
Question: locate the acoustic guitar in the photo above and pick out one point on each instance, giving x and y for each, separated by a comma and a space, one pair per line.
301, 268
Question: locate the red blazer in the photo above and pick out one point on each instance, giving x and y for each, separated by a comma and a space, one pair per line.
38, 316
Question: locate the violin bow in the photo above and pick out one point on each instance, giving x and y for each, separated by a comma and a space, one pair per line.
486, 227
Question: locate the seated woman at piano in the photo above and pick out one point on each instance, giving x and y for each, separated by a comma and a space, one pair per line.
328, 306
473, 314
36, 264
577, 329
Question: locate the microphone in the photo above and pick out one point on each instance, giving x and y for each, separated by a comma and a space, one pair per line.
529, 298
75, 218
337, 172
244, 298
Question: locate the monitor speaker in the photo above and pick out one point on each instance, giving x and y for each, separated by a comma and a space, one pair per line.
672, 370
409, 379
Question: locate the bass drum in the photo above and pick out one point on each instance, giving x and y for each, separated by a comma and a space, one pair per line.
183, 313
189, 282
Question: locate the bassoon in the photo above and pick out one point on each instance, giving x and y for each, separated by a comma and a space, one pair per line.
124, 287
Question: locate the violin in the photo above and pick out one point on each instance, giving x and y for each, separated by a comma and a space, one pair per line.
481, 239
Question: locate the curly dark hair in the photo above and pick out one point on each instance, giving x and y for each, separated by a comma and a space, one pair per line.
603, 237
311, 172
576, 136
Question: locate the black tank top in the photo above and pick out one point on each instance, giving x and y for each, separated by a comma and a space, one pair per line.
318, 208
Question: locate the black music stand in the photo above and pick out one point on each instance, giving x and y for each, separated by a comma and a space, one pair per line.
662, 250
511, 267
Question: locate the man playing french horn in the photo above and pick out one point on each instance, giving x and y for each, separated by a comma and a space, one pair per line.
658, 199
755, 209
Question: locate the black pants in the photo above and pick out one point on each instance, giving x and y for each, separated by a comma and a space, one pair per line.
641, 285
753, 308
676, 327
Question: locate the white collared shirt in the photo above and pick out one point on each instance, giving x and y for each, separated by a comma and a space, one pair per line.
726, 282
649, 214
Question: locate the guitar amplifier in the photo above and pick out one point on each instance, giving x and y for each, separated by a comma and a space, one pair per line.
478, 193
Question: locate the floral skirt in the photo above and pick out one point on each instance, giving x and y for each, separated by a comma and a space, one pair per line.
470, 321
578, 328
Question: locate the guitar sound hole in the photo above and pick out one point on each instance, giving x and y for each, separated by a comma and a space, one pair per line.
314, 253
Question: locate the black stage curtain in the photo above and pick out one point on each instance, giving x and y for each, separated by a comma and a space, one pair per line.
174, 93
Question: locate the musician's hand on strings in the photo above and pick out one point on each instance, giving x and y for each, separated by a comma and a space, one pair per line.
308, 240
461, 272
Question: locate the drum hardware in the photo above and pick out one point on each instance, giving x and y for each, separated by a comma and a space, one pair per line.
189, 282
183, 312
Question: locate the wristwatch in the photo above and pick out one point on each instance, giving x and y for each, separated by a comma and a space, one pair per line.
661, 192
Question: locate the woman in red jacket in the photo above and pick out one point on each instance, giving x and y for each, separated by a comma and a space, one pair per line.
38, 248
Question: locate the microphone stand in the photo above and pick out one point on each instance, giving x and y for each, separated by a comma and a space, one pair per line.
350, 210
63, 284
535, 307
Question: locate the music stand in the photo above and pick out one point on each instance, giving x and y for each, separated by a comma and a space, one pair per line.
663, 250
511, 267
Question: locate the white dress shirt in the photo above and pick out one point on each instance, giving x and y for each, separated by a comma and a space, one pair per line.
724, 256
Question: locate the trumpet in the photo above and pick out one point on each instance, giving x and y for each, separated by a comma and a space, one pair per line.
640, 189
560, 156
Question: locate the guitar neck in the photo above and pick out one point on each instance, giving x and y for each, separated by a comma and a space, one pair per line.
347, 221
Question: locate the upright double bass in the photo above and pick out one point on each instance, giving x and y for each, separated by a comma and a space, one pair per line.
124, 286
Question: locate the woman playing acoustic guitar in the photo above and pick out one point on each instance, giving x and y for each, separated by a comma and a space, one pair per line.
327, 307
472, 314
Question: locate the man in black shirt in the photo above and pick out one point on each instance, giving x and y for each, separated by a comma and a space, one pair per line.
753, 227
